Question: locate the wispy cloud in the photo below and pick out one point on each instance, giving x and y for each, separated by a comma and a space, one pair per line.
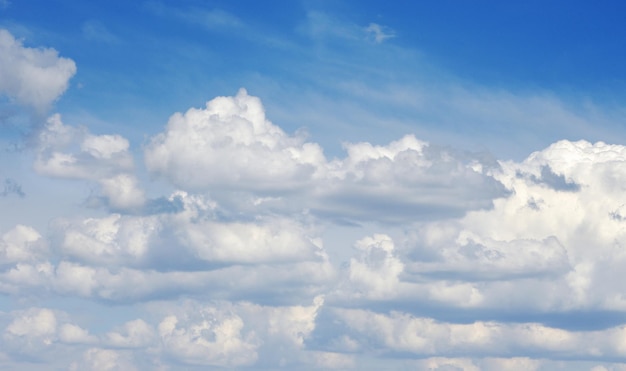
215, 19
94, 30
378, 33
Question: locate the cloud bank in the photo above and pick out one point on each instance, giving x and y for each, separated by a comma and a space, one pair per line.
475, 263
221, 243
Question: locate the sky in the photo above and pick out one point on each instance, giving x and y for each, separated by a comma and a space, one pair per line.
191, 185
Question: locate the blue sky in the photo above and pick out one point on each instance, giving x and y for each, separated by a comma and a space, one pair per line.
312, 185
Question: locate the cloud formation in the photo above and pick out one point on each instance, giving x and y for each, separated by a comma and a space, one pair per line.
460, 261
65, 151
231, 146
33, 77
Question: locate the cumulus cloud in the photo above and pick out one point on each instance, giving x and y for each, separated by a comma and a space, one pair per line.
405, 180
22, 244
547, 239
399, 332
461, 261
97, 157
231, 146
34, 77
110, 240
133, 334
65, 151
375, 271
124, 258
37, 332
213, 338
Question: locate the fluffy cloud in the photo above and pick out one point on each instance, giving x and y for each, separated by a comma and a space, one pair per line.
66, 151
22, 244
213, 338
231, 146
228, 334
374, 272
34, 77
36, 332
96, 157
110, 240
400, 332
459, 261
133, 334
125, 258
556, 238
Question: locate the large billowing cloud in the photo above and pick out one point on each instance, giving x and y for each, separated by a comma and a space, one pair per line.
231, 146
34, 77
557, 237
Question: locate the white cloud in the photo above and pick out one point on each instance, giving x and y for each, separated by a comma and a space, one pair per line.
133, 334
66, 151
35, 323
72, 334
464, 237
22, 244
110, 240
104, 146
195, 332
210, 338
98, 157
34, 77
374, 273
556, 238
264, 241
400, 332
230, 146
123, 192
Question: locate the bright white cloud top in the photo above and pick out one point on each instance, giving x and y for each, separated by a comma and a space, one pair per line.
219, 238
